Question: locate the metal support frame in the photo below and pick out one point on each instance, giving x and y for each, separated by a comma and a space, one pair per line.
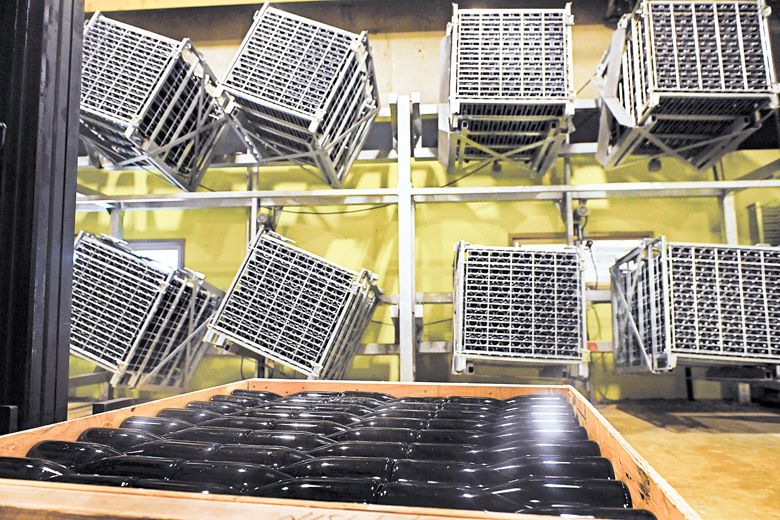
406, 233
406, 123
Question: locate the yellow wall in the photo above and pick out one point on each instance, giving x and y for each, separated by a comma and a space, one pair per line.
405, 42
215, 241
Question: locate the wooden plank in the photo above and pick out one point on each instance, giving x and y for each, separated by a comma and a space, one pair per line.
649, 490
60, 500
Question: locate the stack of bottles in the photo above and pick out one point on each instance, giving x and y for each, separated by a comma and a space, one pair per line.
525, 454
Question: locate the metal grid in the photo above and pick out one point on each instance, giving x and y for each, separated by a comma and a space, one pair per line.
508, 87
687, 79
518, 304
296, 308
115, 292
304, 91
640, 309
172, 345
136, 318
707, 303
148, 100
764, 224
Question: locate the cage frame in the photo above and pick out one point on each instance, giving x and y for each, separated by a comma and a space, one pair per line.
123, 373
460, 358
143, 148
319, 147
453, 139
633, 121
341, 344
669, 353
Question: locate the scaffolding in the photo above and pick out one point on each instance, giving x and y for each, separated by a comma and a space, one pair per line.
296, 308
150, 101
688, 79
138, 319
303, 91
696, 304
507, 91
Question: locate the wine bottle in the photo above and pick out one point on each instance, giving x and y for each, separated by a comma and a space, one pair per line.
342, 418
275, 457
392, 422
434, 451
537, 448
24, 468
449, 436
404, 413
216, 434
71, 454
445, 472
257, 394
507, 440
366, 402
337, 406
262, 413
391, 450
223, 408
471, 415
532, 493
300, 425
456, 424
446, 496
328, 489
556, 466
536, 399
203, 488
238, 476
575, 511
121, 439
191, 416
378, 434
372, 468
320, 395
303, 441
249, 423
378, 396
135, 466
240, 400
156, 425
97, 480
187, 450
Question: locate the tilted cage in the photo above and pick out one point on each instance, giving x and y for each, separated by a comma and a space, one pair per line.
697, 304
689, 79
303, 91
149, 101
507, 91
136, 318
296, 308
764, 220
518, 304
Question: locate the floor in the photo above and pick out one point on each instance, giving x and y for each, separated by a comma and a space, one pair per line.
723, 458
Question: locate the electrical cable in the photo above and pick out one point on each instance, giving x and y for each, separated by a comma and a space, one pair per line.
585, 85
241, 368
469, 174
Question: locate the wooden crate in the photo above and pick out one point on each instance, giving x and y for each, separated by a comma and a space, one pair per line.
27, 500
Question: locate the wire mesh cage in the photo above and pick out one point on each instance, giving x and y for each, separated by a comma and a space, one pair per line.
507, 88
764, 220
303, 91
518, 304
149, 101
696, 303
296, 308
689, 79
136, 318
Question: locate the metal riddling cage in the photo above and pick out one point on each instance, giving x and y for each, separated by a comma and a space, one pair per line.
150, 101
134, 317
303, 91
507, 88
710, 304
296, 308
518, 304
689, 79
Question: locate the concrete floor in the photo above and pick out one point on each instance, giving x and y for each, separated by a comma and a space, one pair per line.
723, 458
